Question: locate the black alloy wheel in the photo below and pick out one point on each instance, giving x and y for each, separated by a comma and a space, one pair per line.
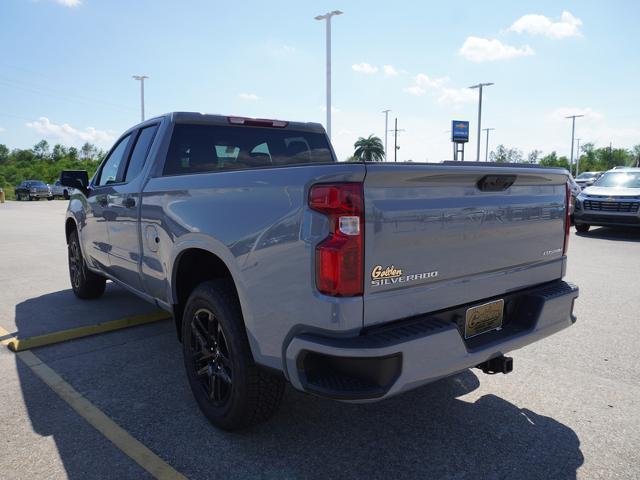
210, 359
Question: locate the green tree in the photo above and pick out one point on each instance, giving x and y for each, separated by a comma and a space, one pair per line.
534, 156
503, 154
369, 149
59, 152
41, 150
4, 154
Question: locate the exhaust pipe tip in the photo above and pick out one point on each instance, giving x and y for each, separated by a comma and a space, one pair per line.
499, 364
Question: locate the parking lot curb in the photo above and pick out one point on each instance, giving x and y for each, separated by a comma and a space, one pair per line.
21, 344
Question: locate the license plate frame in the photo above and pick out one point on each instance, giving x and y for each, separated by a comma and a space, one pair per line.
483, 318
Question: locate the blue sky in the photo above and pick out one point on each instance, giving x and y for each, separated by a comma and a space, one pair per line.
66, 66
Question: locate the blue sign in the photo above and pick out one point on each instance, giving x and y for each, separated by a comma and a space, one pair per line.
459, 131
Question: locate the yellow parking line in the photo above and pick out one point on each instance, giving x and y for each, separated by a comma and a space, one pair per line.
19, 344
131, 447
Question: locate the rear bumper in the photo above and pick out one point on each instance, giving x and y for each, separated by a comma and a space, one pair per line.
401, 356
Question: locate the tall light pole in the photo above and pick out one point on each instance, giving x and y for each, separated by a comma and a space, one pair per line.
141, 78
577, 156
386, 130
573, 134
479, 87
327, 16
395, 141
486, 152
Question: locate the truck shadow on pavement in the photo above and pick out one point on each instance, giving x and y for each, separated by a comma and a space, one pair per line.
61, 310
136, 377
621, 234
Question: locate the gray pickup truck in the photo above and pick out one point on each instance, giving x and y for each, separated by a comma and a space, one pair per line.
351, 281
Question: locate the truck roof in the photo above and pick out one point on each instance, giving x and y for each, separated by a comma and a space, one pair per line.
217, 119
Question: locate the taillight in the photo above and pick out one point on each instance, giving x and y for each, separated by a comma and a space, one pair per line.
339, 257
567, 217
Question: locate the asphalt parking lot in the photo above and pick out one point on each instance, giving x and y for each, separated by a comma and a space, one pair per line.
570, 409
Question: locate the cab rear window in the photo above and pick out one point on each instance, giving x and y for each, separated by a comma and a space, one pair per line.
210, 148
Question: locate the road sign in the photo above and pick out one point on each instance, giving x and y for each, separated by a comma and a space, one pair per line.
459, 131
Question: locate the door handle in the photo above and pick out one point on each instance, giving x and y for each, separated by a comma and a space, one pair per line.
129, 202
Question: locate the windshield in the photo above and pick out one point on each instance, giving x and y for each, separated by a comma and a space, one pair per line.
585, 175
35, 183
619, 179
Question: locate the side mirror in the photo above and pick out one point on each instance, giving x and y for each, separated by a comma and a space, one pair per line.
75, 179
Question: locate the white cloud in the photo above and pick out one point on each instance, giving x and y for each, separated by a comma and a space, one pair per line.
69, 3
441, 90
251, 97
364, 68
485, 50
390, 71
450, 95
1, 129
280, 50
68, 134
416, 90
534, 24
425, 81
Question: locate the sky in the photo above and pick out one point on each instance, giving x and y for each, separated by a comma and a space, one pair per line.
66, 67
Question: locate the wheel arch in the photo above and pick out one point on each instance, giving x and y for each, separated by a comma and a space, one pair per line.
192, 266
70, 225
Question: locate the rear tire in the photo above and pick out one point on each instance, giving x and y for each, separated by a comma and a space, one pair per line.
66, 195
86, 284
230, 389
583, 228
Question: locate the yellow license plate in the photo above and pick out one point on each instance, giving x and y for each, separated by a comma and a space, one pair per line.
483, 318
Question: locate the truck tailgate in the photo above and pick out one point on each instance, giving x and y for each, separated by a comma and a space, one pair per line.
437, 236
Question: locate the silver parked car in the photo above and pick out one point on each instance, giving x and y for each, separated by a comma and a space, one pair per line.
614, 200
586, 179
59, 191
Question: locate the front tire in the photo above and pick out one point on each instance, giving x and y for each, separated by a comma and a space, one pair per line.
230, 389
583, 227
86, 284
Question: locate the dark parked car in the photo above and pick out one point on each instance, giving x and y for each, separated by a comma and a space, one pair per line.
33, 190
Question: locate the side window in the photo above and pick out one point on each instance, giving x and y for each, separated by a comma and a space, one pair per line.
111, 166
140, 151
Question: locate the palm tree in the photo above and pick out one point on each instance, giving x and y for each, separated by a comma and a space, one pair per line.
369, 149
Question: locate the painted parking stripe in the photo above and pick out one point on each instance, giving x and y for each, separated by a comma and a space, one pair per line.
131, 447
18, 344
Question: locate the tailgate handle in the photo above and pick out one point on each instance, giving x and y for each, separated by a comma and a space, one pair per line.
495, 183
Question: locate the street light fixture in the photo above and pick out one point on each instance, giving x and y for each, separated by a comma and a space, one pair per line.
479, 87
486, 152
573, 134
327, 16
141, 79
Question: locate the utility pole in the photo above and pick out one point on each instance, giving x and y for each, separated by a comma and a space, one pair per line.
141, 79
486, 152
327, 16
395, 133
573, 134
578, 157
386, 131
479, 86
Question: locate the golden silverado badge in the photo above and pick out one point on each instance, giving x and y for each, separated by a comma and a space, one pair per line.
391, 275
